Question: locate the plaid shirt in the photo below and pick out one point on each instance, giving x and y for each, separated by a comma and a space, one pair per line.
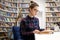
28, 25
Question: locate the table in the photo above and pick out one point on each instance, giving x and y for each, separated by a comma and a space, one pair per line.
54, 36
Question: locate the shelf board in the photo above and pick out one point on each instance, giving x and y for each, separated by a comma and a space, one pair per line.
5, 27
25, 13
9, 22
7, 11
53, 16
7, 6
18, 2
0, 20
52, 21
11, 1
6, 22
3, 31
7, 16
10, 17
52, 11
50, 2
3, 37
24, 8
52, 6
24, 3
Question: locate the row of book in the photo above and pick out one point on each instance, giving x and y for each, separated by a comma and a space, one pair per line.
58, 3
23, 5
4, 19
24, 15
14, 9
53, 0
49, 24
51, 4
9, 19
8, 8
18, 0
49, 19
25, 1
54, 26
8, 14
52, 14
4, 24
53, 9
25, 11
8, 4
11, 0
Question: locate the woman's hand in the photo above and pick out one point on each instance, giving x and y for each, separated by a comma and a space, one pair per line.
36, 31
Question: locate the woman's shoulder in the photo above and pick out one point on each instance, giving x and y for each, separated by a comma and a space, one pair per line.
23, 19
36, 18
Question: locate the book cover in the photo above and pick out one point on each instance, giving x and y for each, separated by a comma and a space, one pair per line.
54, 14
5, 19
51, 9
58, 8
12, 15
4, 14
8, 14
8, 20
9, 4
24, 5
14, 4
58, 14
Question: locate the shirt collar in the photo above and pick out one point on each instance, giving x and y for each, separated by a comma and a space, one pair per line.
30, 17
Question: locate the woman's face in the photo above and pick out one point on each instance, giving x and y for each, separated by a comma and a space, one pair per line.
34, 11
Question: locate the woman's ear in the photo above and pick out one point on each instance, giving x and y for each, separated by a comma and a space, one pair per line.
29, 9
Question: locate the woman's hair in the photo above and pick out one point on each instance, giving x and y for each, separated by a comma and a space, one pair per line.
33, 4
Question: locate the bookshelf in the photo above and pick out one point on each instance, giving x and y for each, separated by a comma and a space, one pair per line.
24, 6
10, 10
52, 12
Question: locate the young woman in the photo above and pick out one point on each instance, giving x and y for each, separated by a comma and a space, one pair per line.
30, 24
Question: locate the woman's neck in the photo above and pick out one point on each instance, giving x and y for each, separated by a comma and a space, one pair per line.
31, 15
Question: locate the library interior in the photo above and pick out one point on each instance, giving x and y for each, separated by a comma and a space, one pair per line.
13, 12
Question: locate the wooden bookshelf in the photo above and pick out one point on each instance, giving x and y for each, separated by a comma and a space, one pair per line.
52, 12
10, 11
